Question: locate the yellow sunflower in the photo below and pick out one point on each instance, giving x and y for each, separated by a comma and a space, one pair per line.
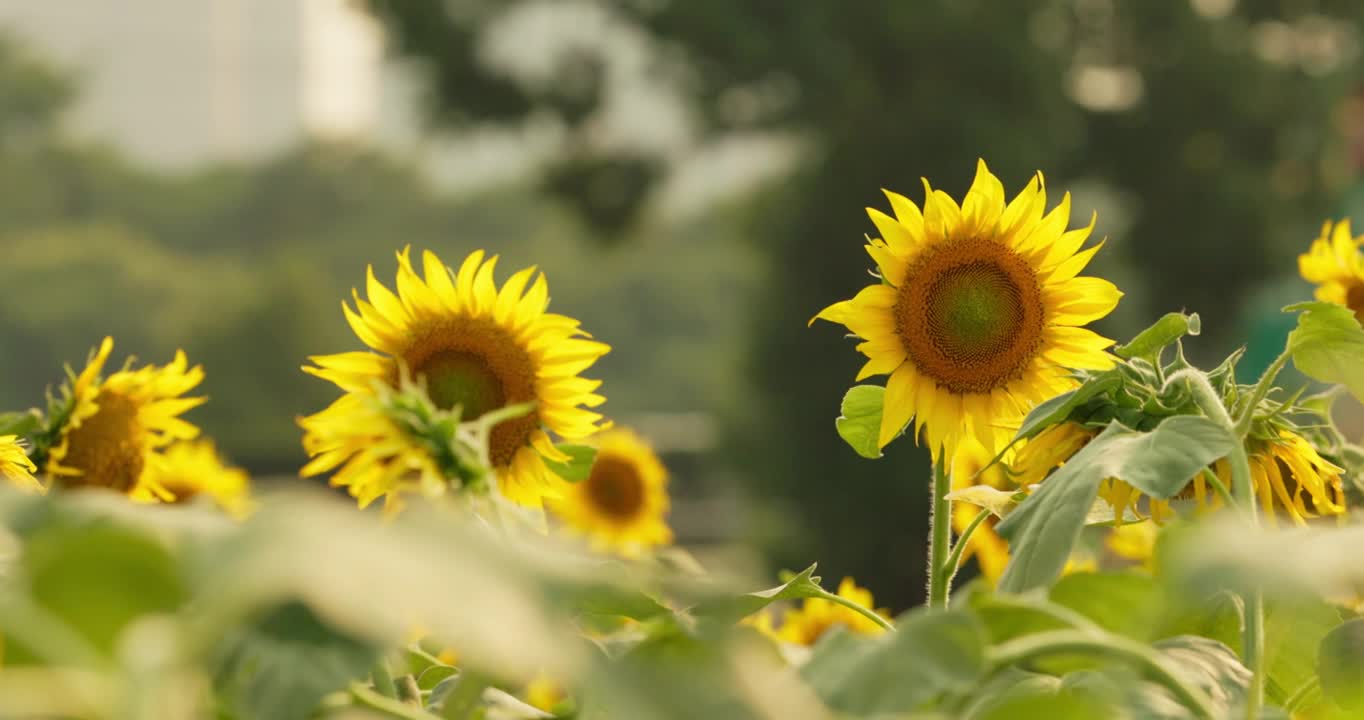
1335, 265
544, 694
190, 469
479, 348
15, 465
621, 503
114, 426
816, 616
978, 314
1288, 475
969, 468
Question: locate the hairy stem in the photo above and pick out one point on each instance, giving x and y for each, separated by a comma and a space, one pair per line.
940, 537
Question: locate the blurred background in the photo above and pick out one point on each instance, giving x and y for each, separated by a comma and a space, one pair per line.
691, 174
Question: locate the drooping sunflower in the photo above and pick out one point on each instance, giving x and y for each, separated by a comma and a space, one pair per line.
816, 616
479, 348
978, 316
15, 466
621, 504
1289, 477
190, 469
1335, 265
111, 427
969, 467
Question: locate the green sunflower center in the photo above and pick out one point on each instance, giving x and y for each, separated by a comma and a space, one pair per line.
464, 379
616, 489
970, 315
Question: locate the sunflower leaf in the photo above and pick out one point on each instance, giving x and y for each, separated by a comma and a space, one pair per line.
1340, 665
1327, 345
1150, 342
1059, 408
579, 465
732, 609
860, 423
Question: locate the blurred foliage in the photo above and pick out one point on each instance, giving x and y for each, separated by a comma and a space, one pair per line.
1204, 133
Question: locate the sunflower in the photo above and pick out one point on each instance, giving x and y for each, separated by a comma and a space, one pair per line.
978, 314
112, 428
1335, 265
621, 503
1289, 477
544, 693
479, 348
969, 468
190, 469
15, 465
816, 616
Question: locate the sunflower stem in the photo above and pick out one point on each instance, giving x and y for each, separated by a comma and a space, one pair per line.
868, 613
959, 547
1262, 389
940, 536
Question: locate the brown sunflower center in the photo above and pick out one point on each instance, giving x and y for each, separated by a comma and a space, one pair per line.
970, 315
109, 447
615, 488
1354, 299
479, 366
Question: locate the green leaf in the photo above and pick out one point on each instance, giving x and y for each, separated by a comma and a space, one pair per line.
1043, 529
729, 610
1328, 345
19, 423
931, 652
1059, 408
860, 423
1340, 665
1211, 666
579, 465
1125, 603
281, 666
613, 600
1149, 342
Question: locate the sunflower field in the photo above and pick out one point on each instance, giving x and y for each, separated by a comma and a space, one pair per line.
1155, 539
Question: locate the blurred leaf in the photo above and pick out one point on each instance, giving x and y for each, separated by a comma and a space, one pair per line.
729, 610
930, 653
1211, 666
1149, 342
281, 666
1294, 631
1125, 603
1340, 665
19, 423
614, 601
1327, 345
1036, 703
579, 465
999, 502
860, 423
1043, 529
1059, 408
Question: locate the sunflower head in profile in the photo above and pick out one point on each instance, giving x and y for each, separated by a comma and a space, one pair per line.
108, 429
979, 312
1334, 264
808, 623
192, 469
972, 466
622, 502
479, 348
15, 467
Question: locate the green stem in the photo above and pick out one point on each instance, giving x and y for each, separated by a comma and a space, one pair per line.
466, 698
1219, 486
1030, 647
959, 547
383, 679
865, 612
367, 698
1253, 640
940, 537
1303, 695
1262, 389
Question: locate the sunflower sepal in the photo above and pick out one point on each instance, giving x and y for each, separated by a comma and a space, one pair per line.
1152, 341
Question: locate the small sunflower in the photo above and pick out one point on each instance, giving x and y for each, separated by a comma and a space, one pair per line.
1288, 475
978, 316
816, 616
111, 428
621, 503
190, 469
1335, 265
15, 465
545, 694
969, 468
479, 348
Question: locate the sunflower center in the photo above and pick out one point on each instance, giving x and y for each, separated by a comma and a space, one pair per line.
970, 315
109, 447
616, 489
479, 366
1354, 299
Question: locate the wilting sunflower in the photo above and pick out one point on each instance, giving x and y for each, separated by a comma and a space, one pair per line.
621, 503
111, 427
479, 348
816, 616
1335, 265
190, 469
978, 314
969, 468
15, 465
1288, 475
